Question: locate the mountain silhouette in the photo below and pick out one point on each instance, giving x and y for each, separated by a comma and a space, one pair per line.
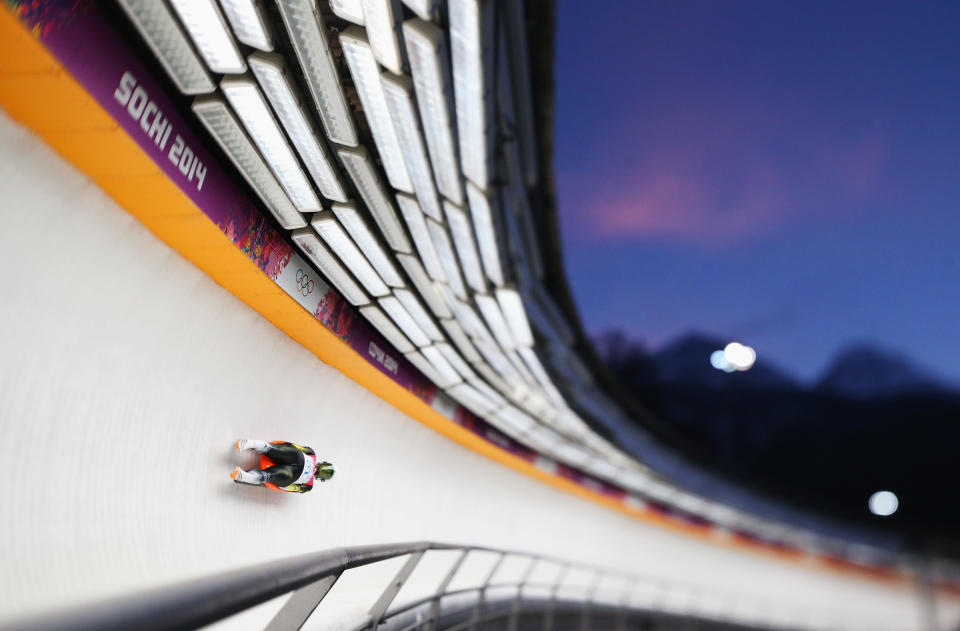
863, 371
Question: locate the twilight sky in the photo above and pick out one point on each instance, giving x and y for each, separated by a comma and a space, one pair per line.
787, 174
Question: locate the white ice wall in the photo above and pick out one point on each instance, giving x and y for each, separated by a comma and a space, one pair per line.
126, 374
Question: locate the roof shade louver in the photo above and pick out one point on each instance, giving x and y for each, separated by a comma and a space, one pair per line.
398, 92
448, 375
366, 78
387, 328
484, 388
462, 234
455, 360
170, 44
516, 316
429, 65
470, 27
346, 250
210, 34
306, 27
350, 10
424, 366
491, 378
382, 17
471, 322
329, 266
350, 218
425, 287
472, 399
460, 340
517, 422
399, 314
448, 260
272, 76
364, 175
226, 130
252, 110
485, 231
495, 358
495, 320
423, 8
410, 302
247, 19
422, 239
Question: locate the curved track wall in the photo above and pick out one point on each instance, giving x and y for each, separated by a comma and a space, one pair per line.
127, 374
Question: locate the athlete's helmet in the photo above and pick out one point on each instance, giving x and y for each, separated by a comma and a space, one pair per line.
324, 471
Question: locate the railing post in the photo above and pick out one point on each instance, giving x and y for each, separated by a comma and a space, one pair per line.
442, 588
301, 604
692, 609
659, 599
588, 601
628, 588
926, 595
551, 603
380, 607
518, 601
478, 609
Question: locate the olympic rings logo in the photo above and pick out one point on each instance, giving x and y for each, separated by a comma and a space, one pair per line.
304, 283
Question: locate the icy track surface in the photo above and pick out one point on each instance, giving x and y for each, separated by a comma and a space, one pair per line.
126, 376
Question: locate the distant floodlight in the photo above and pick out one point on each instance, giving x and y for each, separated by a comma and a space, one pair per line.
719, 361
740, 356
883, 503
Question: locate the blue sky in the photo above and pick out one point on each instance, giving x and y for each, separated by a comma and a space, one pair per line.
787, 174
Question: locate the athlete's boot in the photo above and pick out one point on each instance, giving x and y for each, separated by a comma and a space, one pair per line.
245, 477
259, 446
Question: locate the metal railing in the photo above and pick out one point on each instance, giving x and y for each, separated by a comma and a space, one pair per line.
510, 604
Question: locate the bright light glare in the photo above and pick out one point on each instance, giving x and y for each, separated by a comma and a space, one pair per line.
883, 503
739, 355
719, 361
